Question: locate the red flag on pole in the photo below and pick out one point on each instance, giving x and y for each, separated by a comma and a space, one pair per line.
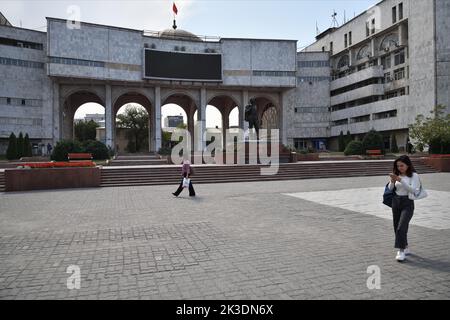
174, 8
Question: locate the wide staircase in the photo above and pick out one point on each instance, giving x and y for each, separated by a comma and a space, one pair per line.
168, 175
137, 160
2, 181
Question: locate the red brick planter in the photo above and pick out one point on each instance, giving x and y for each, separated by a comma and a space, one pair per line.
440, 162
308, 157
51, 178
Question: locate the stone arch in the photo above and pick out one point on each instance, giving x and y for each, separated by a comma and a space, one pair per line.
363, 52
127, 97
187, 101
119, 92
73, 100
166, 95
343, 61
67, 91
387, 40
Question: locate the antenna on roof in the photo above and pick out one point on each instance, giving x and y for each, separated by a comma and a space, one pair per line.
317, 29
334, 22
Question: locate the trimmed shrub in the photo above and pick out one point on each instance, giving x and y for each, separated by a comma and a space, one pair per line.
341, 142
64, 147
20, 146
354, 148
373, 141
394, 146
348, 138
439, 145
98, 149
11, 152
28, 152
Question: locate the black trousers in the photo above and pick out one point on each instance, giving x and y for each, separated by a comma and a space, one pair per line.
180, 188
402, 211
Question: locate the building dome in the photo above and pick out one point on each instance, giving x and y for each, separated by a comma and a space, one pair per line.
179, 34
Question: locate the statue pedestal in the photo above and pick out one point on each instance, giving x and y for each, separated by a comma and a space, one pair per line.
250, 152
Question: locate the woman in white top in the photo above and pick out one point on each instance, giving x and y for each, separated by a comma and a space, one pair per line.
405, 180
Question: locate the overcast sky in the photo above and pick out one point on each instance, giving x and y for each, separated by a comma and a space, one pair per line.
281, 19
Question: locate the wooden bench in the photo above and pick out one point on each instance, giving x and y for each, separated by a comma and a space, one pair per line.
374, 154
79, 156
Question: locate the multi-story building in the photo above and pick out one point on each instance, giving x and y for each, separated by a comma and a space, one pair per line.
379, 70
173, 121
388, 65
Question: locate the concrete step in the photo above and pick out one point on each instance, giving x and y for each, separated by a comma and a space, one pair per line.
138, 162
222, 174
2, 182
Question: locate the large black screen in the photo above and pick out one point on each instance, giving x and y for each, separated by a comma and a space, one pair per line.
182, 66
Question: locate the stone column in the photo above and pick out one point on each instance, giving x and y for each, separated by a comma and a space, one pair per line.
190, 125
56, 123
401, 34
372, 47
157, 119
201, 122
225, 126
109, 115
243, 125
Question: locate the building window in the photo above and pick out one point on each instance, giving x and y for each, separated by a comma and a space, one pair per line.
323, 49
331, 47
386, 62
8, 100
399, 74
23, 102
387, 77
340, 122
394, 15
313, 64
400, 11
367, 29
300, 144
399, 57
360, 119
350, 38
373, 25
345, 40
385, 115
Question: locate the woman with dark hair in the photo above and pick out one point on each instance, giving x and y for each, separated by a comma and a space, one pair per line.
404, 180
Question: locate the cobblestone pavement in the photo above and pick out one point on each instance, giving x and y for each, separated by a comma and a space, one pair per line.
263, 240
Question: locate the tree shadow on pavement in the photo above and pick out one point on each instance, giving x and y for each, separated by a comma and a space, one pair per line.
426, 263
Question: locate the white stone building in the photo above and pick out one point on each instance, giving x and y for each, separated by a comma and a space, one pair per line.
379, 70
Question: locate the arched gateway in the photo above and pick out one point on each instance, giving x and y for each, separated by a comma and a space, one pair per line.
154, 69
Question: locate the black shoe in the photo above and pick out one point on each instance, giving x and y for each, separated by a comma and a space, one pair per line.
192, 195
174, 194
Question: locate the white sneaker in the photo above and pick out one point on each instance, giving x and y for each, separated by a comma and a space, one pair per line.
400, 256
407, 252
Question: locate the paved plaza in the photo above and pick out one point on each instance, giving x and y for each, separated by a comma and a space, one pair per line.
302, 239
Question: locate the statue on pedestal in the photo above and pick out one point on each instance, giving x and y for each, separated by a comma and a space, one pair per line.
251, 116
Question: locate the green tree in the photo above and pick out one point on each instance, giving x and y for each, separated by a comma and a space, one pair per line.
28, 152
373, 141
136, 121
354, 148
98, 149
20, 146
64, 147
394, 146
11, 152
341, 142
432, 131
86, 130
